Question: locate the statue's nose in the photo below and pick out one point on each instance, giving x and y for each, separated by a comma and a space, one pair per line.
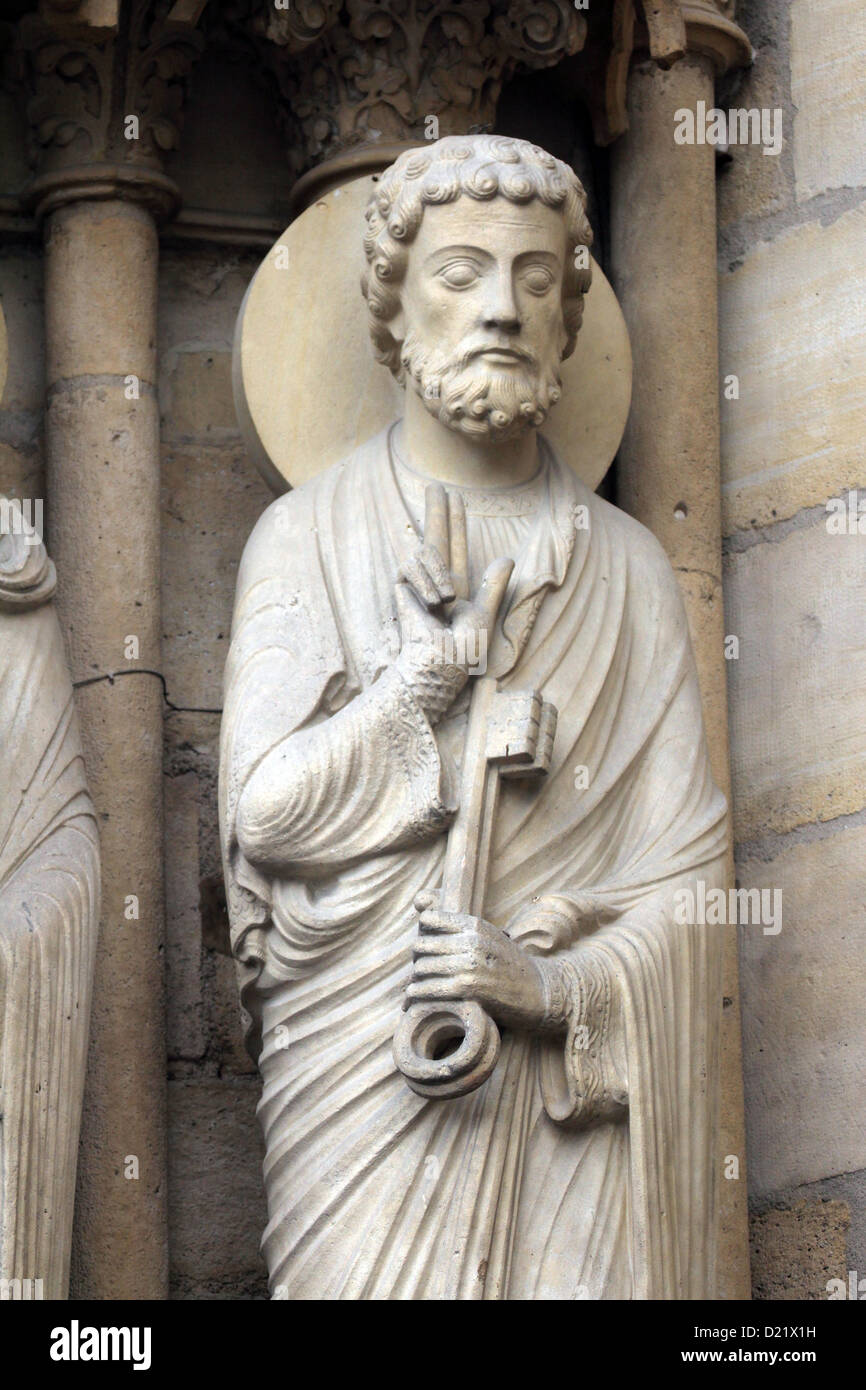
508, 323
500, 309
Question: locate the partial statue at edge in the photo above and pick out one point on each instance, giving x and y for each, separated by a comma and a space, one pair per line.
49, 920
463, 779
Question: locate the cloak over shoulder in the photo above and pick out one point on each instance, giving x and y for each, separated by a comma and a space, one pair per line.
586, 1165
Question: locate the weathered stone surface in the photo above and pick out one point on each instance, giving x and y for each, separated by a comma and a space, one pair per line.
798, 747
21, 473
184, 1032
200, 293
216, 1200
211, 494
793, 330
200, 383
102, 451
226, 1029
804, 1051
125, 1089
847, 1191
828, 54
795, 1251
21, 402
668, 465
21, 295
211, 498
107, 483
192, 751
121, 238
753, 184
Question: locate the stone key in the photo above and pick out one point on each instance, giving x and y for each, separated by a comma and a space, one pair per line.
450, 1048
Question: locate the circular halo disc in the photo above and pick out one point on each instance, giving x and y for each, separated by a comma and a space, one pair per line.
308, 390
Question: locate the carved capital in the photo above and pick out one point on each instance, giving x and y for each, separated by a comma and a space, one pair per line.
358, 81
104, 104
387, 72
296, 27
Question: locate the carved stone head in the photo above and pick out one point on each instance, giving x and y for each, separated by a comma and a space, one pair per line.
478, 254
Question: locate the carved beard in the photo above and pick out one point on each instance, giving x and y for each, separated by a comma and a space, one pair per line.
467, 393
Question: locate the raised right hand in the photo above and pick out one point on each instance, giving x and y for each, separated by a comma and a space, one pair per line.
442, 630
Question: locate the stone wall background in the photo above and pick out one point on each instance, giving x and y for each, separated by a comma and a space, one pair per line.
212, 497
792, 236
793, 329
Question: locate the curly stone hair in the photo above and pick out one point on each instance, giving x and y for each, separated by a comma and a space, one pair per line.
476, 166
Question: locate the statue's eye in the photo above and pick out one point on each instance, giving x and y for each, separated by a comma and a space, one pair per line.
459, 274
538, 279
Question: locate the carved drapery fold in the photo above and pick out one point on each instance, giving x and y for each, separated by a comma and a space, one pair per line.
49, 912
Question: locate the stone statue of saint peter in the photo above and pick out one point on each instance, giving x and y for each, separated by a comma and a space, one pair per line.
373, 602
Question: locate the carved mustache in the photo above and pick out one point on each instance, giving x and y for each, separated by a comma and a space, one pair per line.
467, 355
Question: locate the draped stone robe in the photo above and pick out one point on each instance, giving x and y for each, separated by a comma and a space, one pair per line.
586, 1166
49, 913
